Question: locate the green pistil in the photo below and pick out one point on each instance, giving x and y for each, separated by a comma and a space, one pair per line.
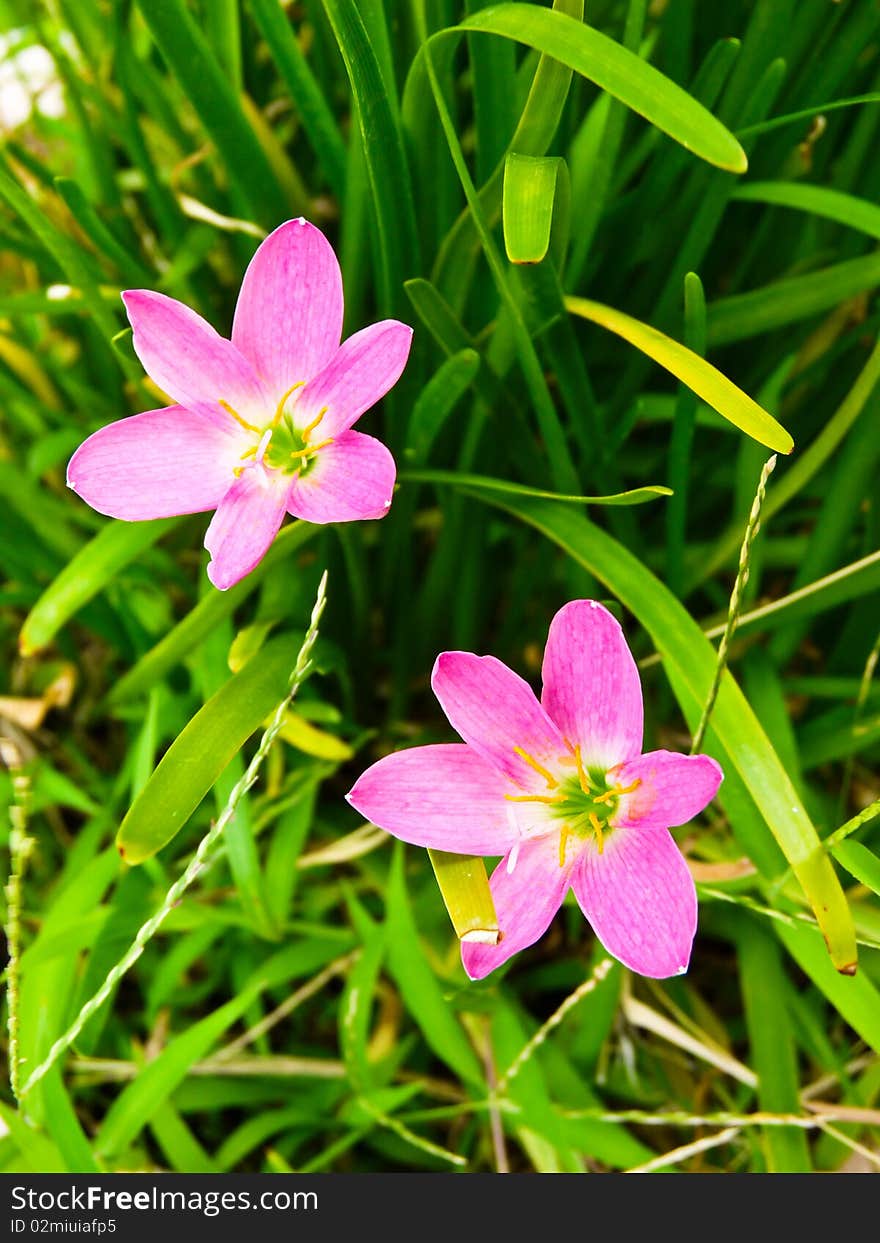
577, 807
288, 450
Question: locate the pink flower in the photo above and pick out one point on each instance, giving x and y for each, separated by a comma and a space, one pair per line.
262, 424
561, 789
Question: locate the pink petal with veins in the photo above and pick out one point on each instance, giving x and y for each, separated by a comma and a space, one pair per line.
591, 684
496, 712
191, 362
672, 789
361, 371
526, 899
640, 900
246, 522
156, 464
288, 319
349, 479
444, 797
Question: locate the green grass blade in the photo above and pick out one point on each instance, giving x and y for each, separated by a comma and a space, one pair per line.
747, 315
619, 72
530, 190
189, 55
200, 753
418, 985
202, 619
774, 1055
93, 567
845, 209
383, 149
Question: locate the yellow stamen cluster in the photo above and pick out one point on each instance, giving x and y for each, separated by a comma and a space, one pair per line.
290, 444
585, 804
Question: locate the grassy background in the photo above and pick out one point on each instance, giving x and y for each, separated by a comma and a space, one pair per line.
190, 129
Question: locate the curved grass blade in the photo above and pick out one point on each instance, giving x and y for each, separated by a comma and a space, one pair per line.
847, 209
199, 754
616, 70
700, 376
692, 659
636, 496
758, 311
89, 572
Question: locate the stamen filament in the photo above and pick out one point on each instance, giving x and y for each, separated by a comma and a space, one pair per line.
229, 410
314, 423
534, 798
563, 843
597, 829
539, 768
280, 408
586, 784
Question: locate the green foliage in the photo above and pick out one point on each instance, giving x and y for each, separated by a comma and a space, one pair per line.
633, 256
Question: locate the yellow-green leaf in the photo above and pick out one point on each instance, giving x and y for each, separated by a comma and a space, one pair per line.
317, 742
699, 376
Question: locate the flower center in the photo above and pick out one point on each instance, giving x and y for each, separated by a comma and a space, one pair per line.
584, 802
281, 446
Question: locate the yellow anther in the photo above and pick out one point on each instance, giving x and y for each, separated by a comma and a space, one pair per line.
535, 798
280, 407
606, 796
629, 789
244, 423
249, 452
314, 423
586, 784
539, 768
597, 829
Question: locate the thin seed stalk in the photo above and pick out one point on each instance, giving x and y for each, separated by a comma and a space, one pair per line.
589, 984
742, 577
20, 846
199, 859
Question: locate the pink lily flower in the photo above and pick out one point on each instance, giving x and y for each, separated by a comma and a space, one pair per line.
262, 423
562, 790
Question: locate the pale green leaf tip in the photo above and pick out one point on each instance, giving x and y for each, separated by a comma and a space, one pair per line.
740, 162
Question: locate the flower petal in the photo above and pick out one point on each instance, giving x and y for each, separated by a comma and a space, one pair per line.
526, 899
640, 899
246, 522
591, 684
361, 371
351, 478
673, 789
288, 319
156, 464
191, 362
494, 710
444, 797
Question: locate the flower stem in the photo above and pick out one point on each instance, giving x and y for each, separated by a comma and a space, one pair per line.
20, 846
742, 577
199, 859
